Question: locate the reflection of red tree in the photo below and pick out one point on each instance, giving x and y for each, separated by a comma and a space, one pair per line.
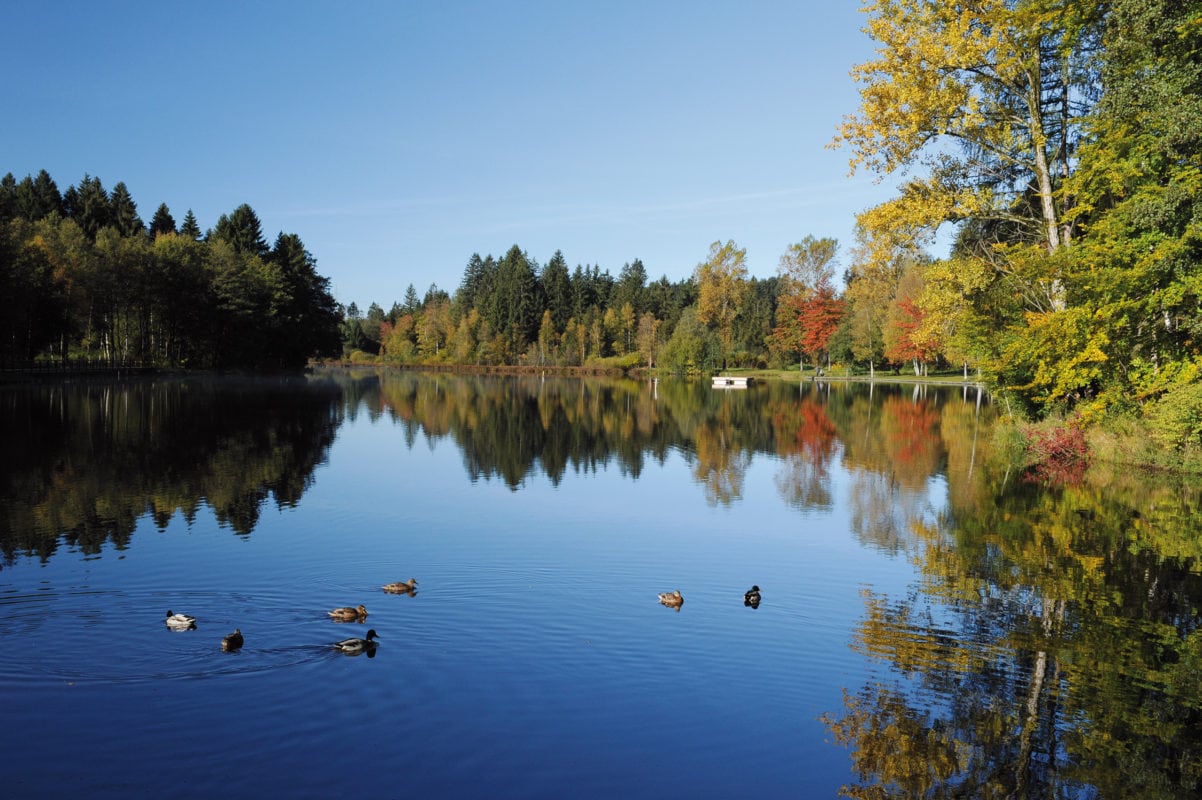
805, 428
805, 440
909, 428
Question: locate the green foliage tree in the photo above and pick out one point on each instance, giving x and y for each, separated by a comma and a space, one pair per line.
8, 197
162, 222
557, 284
242, 230
190, 228
125, 212
91, 208
693, 348
632, 280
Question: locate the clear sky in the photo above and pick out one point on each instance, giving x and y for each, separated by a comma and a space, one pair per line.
398, 138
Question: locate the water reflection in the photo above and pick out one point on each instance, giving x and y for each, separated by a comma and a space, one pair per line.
894, 440
1050, 649
1049, 646
82, 461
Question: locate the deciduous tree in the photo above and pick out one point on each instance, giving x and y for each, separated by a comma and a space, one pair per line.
721, 290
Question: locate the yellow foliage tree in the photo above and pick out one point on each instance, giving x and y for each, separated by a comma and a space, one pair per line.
722, 290
985, 100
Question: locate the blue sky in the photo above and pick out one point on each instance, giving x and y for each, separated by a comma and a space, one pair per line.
396, 139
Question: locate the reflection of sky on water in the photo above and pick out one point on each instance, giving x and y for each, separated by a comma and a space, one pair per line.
534, 656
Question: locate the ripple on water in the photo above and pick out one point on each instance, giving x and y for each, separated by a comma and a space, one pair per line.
121, 636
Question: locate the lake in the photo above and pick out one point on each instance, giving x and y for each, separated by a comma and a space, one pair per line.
932, 623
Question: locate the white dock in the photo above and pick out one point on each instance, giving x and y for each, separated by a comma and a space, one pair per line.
731, 382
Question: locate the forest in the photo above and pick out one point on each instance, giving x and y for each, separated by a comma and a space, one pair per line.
1054, 143
86, 280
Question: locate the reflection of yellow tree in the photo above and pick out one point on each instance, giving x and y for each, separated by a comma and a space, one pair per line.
721, 461
1052, 648
889, 737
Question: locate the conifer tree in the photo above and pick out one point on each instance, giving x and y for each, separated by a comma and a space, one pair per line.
125, 211
162, 221
190, 228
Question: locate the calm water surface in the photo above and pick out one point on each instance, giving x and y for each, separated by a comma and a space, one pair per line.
931, 626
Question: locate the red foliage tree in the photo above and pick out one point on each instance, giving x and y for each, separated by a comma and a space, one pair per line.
806, 322
903, 344
820, 317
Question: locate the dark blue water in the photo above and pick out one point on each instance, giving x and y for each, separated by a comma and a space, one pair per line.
534, 660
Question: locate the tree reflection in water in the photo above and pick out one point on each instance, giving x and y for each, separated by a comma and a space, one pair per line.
83, 461
1051, 646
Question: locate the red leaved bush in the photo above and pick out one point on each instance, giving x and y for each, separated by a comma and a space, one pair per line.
1057, 455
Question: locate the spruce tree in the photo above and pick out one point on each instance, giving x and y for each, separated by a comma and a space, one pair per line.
190, 228
162, 221
92, 210
242, 230
557, 283
125, 212
8, 198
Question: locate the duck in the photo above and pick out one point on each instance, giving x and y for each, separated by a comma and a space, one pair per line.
232, 641
354, 646
672, 599
349, 614
180, 622
401, 587
752, 598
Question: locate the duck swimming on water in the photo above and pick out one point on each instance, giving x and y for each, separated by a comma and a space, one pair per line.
180, 622
354, 646
752, 598
672, 599
233, 641
349, 614
401, 587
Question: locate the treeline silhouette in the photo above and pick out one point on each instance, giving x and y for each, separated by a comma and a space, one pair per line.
86, 279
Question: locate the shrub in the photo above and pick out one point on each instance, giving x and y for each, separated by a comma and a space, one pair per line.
1057, 454
1176, 418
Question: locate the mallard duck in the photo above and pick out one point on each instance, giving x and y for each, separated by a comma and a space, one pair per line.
672, 599
180, 622
233, 641
401, 587
752, 597
349, 614
355, 645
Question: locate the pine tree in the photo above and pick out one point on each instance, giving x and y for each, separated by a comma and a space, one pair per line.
411, 305
162, 221
125, 212
242, 230
557, 283
8, 198
92, 210
190, 228
46, 197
